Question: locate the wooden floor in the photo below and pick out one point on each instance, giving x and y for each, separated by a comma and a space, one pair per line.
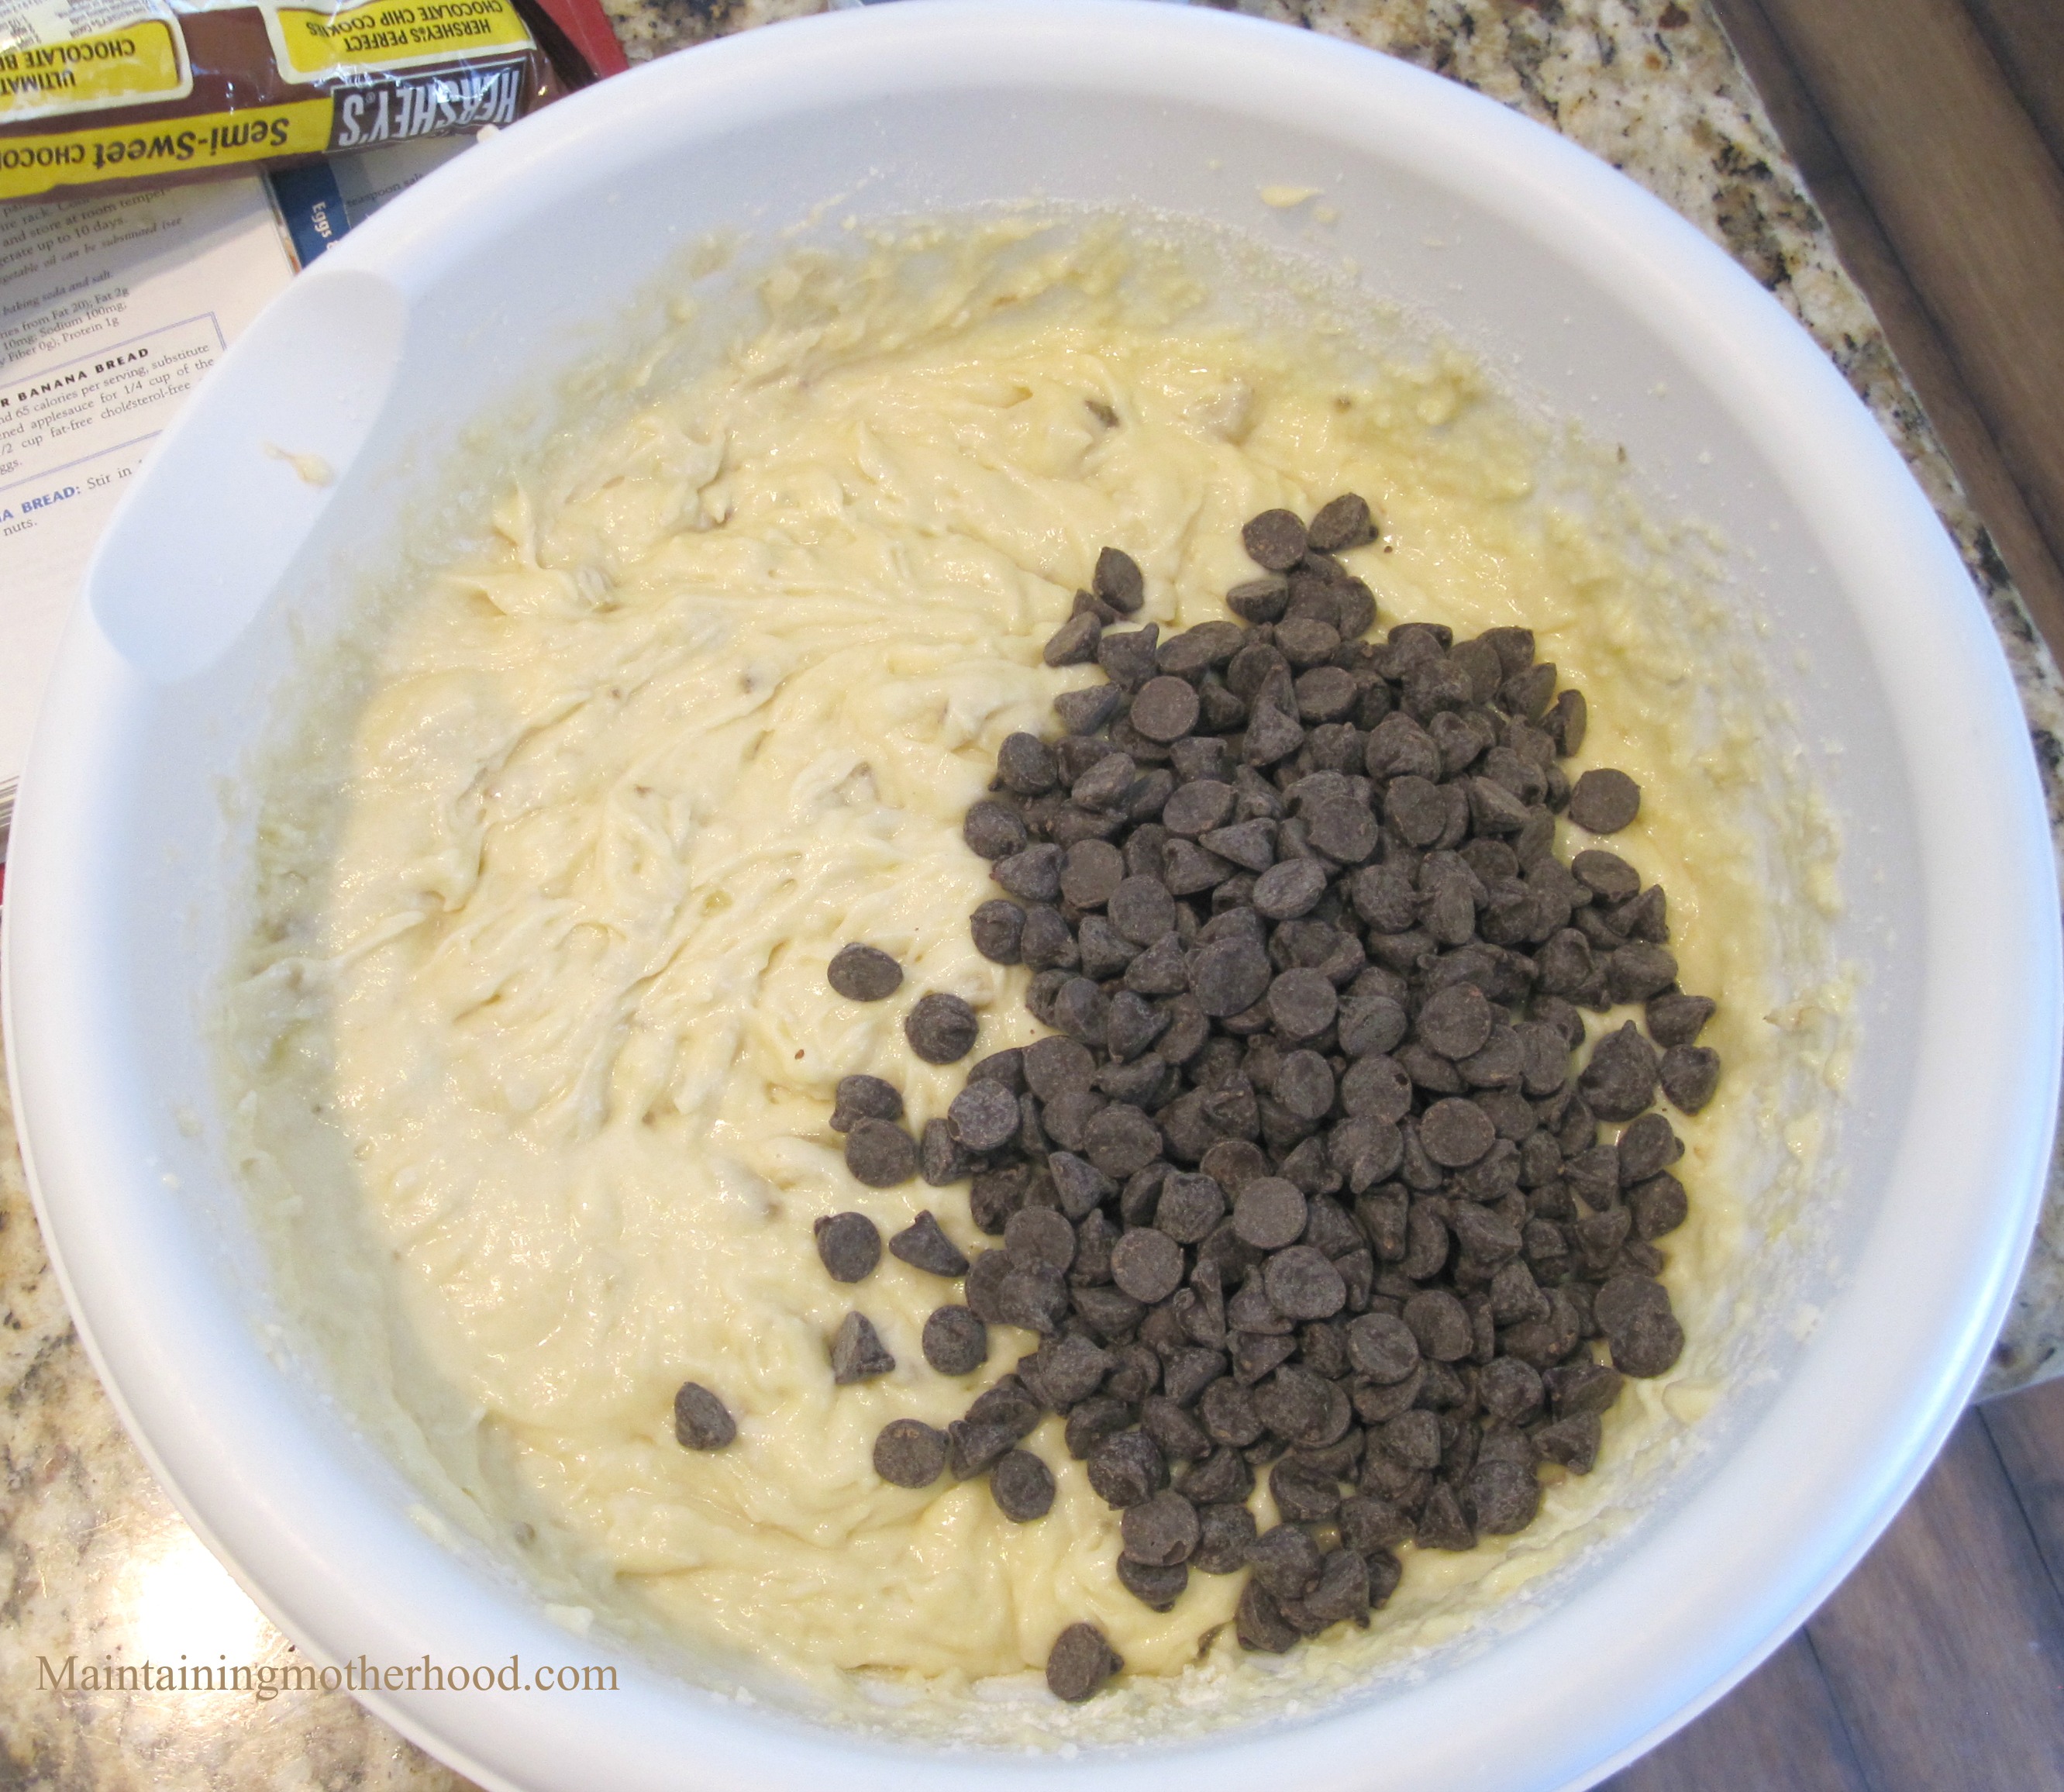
1938, 1666
1932, 134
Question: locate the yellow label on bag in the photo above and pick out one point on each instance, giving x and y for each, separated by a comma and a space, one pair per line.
392, 34
139, 62
30, 166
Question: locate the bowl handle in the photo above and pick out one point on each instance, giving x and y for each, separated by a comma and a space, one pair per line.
236, 484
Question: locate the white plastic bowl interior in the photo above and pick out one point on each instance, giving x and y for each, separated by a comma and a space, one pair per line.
510, 261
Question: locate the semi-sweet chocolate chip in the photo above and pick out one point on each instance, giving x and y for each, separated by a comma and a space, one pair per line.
701, 1420
1276, 540
1023, 1486
1308, 1178
908, 1453
880, 1153
1604, 800
940, 1028
1161, 1531
858, 1353
984, 1115
954, 1341
1080, 1662
864, 973
859, 1098
849, 1244
924, 1244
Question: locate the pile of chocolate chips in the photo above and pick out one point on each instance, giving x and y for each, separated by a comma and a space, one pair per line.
1304, 1184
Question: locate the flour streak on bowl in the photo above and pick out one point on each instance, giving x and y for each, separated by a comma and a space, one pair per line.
521, 256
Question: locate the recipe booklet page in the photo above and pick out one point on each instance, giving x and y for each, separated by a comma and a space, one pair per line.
110, 311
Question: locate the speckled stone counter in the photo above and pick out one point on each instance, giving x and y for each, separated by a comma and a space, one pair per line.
94, 1561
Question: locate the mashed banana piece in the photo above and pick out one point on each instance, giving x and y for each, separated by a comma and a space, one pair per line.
534, 1040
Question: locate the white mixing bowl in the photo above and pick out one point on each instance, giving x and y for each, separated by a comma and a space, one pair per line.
507, 265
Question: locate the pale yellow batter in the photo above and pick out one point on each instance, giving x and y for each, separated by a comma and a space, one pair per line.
534, 1040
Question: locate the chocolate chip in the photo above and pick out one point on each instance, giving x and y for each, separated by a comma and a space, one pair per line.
1342, 1594
1620, 1080
998, 929
1040, 1238
1117, 580
940, 1028
1075, 642
1417, 809
1023, 1486
1303, 1284
1342, 828
1690, 1074
1677, 1019
1342, 523
993, 831
1302, 1004
1091, 871
924, 1245
1573, 1443
1250, 844
1269, 1213
1025, 764
1224, 1531
1127, 659
1580, 1389
864, 973
1648, 1343
1229, 1415
1276, 540
1285, 1560
955, 1343
1161, 1531
1456, 1133
1304, 1085
1606, 875
861, 1098
701, 1420
1456, 1021
1084, 711
858, 1354
1146, 1265
1328, 694
1033, 875
908, 1453
1285, 891
1055, 1066
1382, 1347
1441, 1324
1120, 1141
1128, 1469
1259, 1624
984, 1115
1165, 708
1442, 1524
1033, 1300
880, 1154
1071, 1370
1157, 1588
1501, 1498
1302, 1408
1229, 976
1604, 800
1637, 971
848, 1244
1080, 1662
1647, 1147
1189, 1208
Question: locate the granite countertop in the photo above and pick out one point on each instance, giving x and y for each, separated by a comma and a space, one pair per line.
95, 1560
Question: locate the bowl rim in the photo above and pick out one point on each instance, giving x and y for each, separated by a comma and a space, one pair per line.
1728, 1607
